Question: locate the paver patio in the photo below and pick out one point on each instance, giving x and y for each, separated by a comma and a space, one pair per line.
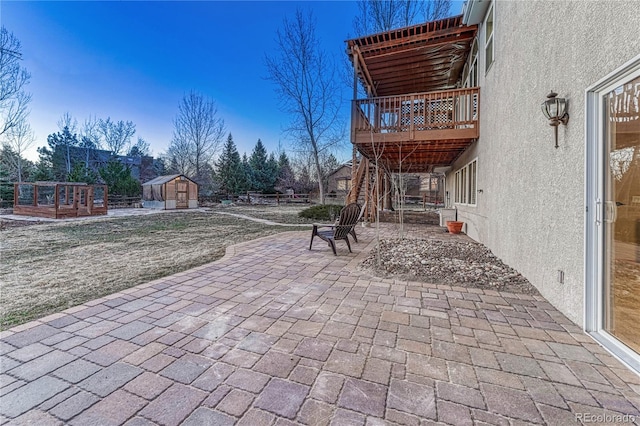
276, 334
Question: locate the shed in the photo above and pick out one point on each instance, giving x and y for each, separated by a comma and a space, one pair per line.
170, 192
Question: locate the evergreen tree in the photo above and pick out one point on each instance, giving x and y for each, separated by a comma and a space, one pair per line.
246, 167
286, 178
207, 185
259, 168
80, 173
305, 184
42, 171
6, 183
11, 163
118, 178
229, 171
60, 154
140, 149
159, 167
271, 174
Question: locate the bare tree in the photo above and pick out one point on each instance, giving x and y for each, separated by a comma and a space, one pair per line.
376, 16
308, 88
91, 132
90, 139
178, 154
19, 138
436, 9
399, 182
384, 15
13, 79
140, 149
198, 134
62, 143
117, 135
68, 121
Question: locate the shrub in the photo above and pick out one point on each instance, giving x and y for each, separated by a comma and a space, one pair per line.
321, 212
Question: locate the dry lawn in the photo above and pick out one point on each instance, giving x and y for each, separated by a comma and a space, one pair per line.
284, 213
47, 268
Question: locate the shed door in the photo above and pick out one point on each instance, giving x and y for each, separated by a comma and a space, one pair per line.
182, 194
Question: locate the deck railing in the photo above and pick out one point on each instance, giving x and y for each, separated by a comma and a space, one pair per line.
416, 112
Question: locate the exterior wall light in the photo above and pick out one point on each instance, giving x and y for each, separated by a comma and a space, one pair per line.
555, 109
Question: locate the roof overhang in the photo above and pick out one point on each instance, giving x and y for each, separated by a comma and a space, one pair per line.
474, 11
420, 58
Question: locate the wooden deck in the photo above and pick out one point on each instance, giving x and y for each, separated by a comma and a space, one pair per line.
418, 131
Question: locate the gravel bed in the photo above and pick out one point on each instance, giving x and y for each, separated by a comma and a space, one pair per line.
460, 263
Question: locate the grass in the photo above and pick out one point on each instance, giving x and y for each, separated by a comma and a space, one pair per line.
49, 267
284, 213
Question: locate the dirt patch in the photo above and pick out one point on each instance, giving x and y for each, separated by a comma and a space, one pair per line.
52, 266
461, 263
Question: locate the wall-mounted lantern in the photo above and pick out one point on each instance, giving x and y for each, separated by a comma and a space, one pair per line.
555, 109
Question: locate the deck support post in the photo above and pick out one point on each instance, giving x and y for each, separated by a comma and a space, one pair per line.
367, 194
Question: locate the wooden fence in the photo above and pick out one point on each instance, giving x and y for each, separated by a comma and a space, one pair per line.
122, 202
256, 198
277, 199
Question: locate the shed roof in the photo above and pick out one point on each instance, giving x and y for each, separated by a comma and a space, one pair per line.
164, 179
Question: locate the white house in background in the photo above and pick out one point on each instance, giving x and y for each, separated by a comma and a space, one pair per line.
566, 217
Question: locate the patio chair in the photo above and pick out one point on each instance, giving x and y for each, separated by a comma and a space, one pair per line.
340, 230
353, 228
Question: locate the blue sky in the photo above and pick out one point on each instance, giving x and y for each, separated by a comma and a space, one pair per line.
135, 60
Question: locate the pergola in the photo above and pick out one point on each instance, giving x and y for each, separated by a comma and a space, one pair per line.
421, 58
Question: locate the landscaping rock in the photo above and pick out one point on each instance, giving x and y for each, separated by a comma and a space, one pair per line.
456, 263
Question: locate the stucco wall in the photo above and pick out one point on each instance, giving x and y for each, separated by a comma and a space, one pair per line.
530, 212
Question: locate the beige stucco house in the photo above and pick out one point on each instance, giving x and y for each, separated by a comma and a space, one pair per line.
567, 218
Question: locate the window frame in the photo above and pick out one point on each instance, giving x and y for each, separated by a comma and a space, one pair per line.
466, 184
343, 184
489, 38
470, 73
594, 303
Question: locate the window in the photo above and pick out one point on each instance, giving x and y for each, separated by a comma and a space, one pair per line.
470, 74
343, 184
434, 184
488, 40
466, 185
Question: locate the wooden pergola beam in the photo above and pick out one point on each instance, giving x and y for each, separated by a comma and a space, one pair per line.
405, 60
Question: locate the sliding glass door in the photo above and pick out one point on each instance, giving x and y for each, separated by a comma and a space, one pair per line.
613, 226
622, 213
